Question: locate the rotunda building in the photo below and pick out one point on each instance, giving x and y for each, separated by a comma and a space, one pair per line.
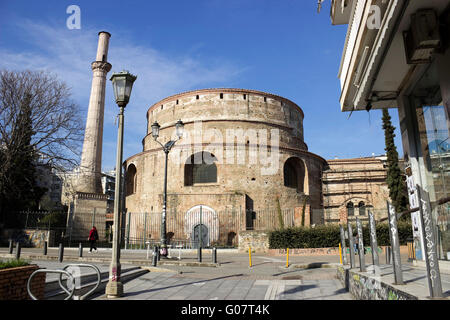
241, 164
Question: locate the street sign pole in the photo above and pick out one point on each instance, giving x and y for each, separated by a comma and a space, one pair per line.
373, 240
430, 245
350, 243
362, 258
344, 251
393, 232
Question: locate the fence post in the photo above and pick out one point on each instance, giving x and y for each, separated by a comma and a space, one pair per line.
45, 248
344, 253
393, 232
61, 252
362, 257
18, 250
145, 226
11, 248
429, 236
93, 217
350, 243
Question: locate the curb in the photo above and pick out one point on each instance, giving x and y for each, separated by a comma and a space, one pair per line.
143, 262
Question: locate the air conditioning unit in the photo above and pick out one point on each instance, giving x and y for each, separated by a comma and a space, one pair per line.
423, 37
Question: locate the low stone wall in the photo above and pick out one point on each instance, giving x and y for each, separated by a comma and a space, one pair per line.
305, 252
29, 237
325, 251
366, 287
258, 241
13, 283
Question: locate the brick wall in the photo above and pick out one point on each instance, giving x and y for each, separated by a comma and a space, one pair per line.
13, 283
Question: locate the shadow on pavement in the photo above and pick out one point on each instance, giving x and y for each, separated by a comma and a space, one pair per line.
178, 285
300, 288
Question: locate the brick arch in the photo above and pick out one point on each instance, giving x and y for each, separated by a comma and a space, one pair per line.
131, 179
355, 201
204, 161
295, 174
209, 218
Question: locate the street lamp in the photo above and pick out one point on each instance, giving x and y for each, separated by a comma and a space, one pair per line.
122, 84
179, 126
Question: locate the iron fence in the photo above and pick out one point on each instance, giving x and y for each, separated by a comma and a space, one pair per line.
222, 226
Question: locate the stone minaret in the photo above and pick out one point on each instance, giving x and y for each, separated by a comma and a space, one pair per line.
91, 157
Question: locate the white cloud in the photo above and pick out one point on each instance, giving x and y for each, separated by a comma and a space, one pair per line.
69, 53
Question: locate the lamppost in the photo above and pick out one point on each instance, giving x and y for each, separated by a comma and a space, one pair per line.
122, 84
166, 148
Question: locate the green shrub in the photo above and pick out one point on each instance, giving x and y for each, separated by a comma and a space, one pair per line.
13, 263
325, 236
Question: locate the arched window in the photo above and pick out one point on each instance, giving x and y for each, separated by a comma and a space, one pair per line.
350, 209
131, 180
294, 173
362, 208
200, 168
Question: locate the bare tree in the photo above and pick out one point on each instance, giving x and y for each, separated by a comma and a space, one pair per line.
38, 122
56, 123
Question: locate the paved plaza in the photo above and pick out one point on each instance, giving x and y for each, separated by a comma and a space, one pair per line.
268, 278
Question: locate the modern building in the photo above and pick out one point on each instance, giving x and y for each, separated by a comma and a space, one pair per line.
108, 187
47, 177
396, 55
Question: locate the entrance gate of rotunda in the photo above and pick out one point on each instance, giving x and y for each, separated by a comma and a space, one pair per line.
206, 217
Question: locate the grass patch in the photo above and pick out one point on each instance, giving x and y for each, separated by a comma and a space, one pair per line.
13, 263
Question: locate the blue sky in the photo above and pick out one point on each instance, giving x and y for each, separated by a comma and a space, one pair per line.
282, 47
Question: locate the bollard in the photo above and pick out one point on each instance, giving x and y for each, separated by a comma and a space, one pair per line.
287, 257
199, 254
11, 249
18, 250
155, 256
214, 255
80, 250
45, 248
61, 252
249, 257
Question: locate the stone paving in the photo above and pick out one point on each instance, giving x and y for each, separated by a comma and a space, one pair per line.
307, 277
172, 286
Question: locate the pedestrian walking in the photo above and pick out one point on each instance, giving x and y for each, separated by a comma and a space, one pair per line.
93, 237
356, 244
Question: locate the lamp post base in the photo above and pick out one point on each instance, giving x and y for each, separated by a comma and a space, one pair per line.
114, 289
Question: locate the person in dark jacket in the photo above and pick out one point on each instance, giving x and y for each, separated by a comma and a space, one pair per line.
93, 237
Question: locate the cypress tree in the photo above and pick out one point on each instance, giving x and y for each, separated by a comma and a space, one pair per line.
394, 178
20, 190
